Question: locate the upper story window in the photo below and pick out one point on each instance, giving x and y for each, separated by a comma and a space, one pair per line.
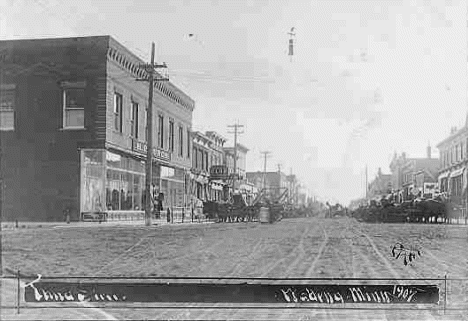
171, 135
188, 143
74, 101
134, 120
194, 158
161, 131
202, 158
7, 107
118, 112
181, 141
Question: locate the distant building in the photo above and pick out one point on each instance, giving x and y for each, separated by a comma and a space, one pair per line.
274, 182
201, 162
380, 186
453, 160
241, 163
409, 175
217, 185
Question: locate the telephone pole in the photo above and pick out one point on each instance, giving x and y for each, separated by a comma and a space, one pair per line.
236, 127
265, 155
366, 184
150, 70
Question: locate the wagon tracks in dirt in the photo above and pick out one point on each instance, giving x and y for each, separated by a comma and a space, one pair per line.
240, 266
294, 253
379, 256
311, 268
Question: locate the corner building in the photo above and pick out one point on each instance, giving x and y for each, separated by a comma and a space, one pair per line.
73, 130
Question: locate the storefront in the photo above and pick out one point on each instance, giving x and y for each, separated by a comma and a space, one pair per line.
113, 181
216, 190
456, 183
443, 182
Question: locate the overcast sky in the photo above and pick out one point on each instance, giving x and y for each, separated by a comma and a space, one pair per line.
368, 77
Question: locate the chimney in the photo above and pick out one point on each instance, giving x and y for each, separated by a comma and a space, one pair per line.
428, 151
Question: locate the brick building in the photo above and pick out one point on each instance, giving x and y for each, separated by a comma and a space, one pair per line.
411, 175
74, 129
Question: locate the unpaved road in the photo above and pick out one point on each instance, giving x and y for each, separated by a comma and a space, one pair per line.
313, 247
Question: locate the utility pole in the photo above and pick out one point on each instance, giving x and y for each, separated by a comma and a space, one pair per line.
265, 155
366, 184
236, 127
150, 70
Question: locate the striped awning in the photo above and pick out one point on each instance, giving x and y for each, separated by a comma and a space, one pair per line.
443, 175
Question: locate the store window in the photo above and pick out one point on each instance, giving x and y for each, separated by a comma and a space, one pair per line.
7, 107
74, 101
93, 169
124, 183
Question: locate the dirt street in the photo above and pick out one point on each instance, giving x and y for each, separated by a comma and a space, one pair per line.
300, 248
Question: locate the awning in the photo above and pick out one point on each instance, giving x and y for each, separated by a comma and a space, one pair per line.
216, 187
443, 175
457, 172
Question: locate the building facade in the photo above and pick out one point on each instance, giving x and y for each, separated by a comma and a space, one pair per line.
411, 175
218, 185
74, 130
453, 160
272, 183
201, 162
380, 186
241, 164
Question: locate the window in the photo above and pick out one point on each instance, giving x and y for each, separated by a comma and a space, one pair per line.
195, 158
188, 143
134, 120
161, 131
202, 159
7, 108
206, 161
171, 135
73, 107
118, 117
181, 141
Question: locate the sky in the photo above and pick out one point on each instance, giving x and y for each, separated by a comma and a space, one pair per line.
367, 79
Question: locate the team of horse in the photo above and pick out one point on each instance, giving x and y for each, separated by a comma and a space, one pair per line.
420, 210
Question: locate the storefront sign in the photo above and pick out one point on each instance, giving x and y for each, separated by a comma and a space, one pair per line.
219, 172
142, 147
430, 188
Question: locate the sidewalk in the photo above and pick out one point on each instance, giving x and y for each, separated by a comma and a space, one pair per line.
8, 226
